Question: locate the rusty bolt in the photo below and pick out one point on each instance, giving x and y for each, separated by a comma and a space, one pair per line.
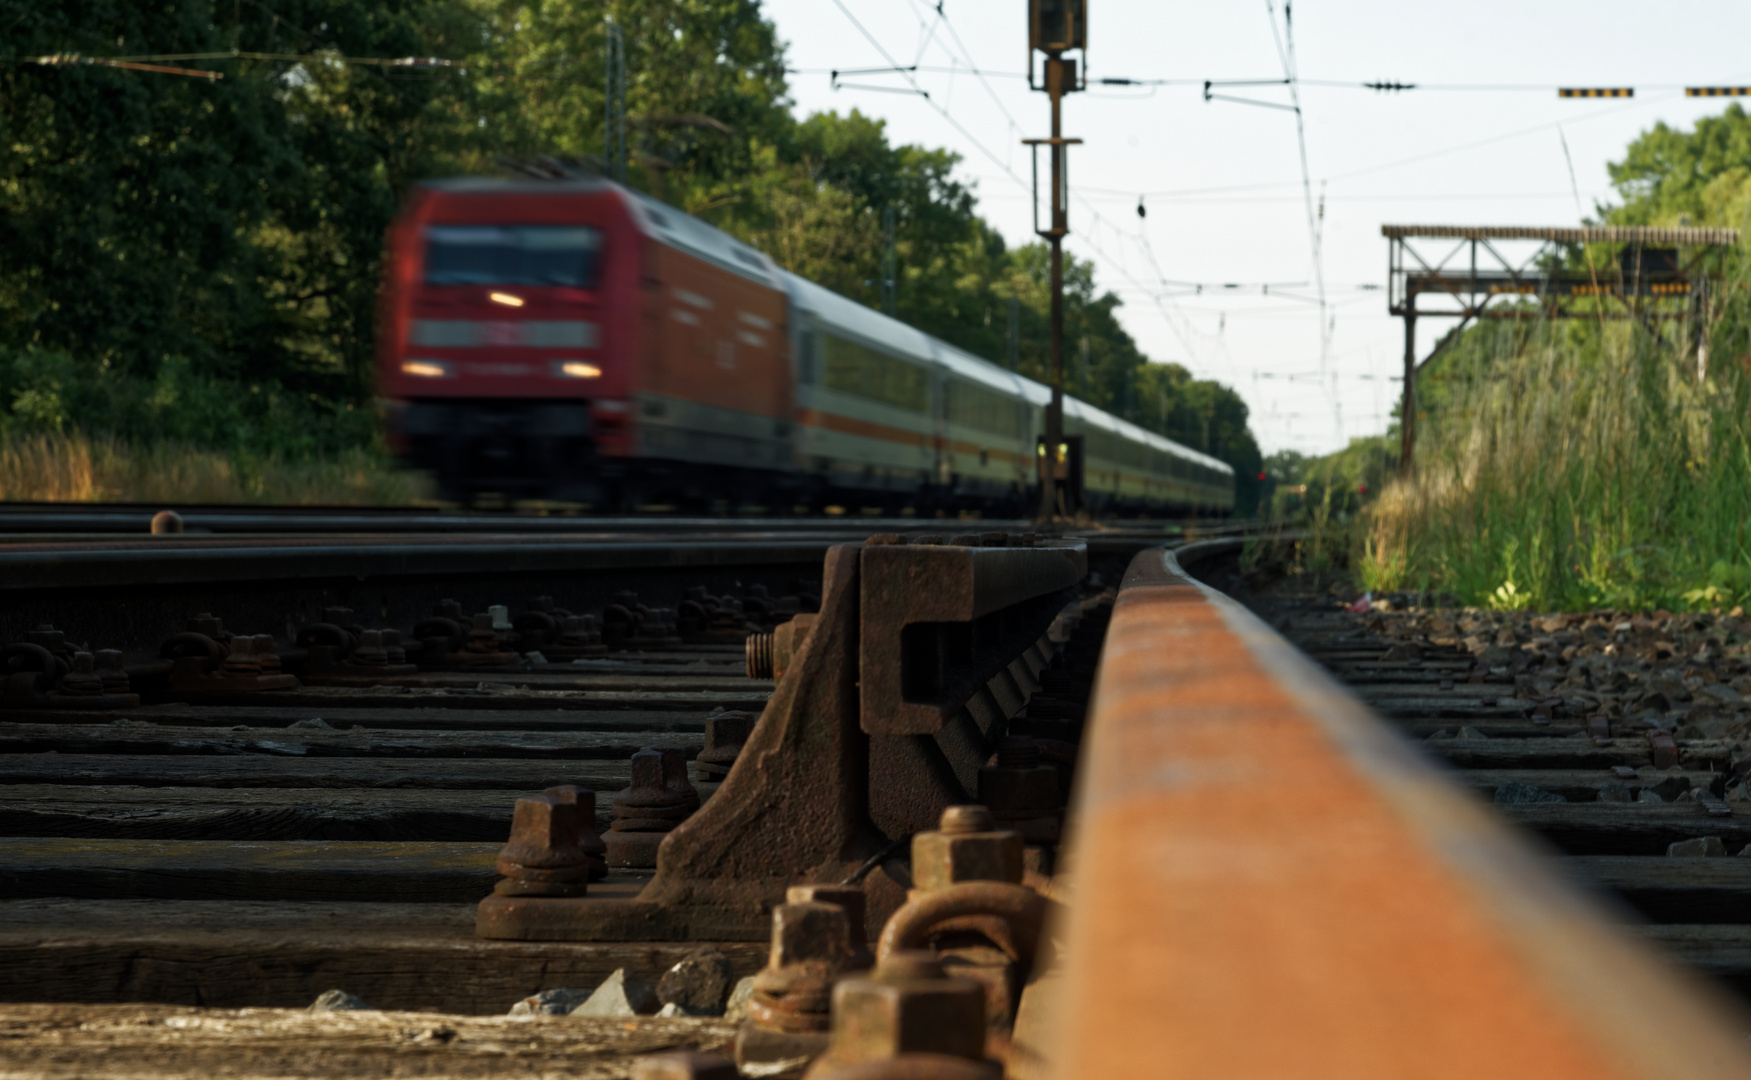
855, 903
771, 655
648, 796
589, 842
788, 640
240, 661
684, 1065
544, 834
265, 656
675, 779
811, 944
51, 639
725, 735
968, 846
907, 1005
659, 623
758, 649
370, 651
581, 631
1021, 790
83, 680
392, 646
109, 668
544, 857
790, 1008
481, 638
646, 811
849, 897
585, 800
810, 933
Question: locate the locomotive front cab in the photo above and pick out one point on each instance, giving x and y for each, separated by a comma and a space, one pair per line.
504, 353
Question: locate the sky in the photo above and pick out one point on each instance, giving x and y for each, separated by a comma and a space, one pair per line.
1483, 140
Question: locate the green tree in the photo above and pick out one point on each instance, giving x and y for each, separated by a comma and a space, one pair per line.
233, 225
172, 241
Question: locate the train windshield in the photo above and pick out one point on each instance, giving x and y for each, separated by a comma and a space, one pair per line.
562, 256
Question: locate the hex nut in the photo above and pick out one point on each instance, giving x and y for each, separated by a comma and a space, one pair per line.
811, 945
544, 834
907, 1005
940, 859
852, 899
810, 933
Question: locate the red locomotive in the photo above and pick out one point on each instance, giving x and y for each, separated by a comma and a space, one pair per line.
578, 341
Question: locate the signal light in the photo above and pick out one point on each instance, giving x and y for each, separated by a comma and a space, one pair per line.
1057, 25
1261, 476
426, 369
506, 299
576, 369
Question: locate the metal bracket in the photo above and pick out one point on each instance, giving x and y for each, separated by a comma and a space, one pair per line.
843, 758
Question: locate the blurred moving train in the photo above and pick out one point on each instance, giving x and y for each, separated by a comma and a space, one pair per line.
578, 341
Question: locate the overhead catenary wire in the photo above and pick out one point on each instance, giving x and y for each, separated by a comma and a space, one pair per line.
1000, 163
1376, 86
1286, 53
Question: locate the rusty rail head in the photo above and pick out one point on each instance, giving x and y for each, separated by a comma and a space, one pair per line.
1269, 882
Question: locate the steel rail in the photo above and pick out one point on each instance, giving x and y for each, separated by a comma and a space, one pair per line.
110, 518
23, 519
39, 563
36, 567
1267, 881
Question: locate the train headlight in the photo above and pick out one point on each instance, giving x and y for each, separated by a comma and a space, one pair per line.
426, 369
576, 369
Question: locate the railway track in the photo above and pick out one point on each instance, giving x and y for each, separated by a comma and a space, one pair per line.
1256, 875
89, 519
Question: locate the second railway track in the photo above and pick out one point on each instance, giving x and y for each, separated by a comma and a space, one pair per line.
1244, 838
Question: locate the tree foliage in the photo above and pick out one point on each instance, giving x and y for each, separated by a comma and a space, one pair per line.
167, 237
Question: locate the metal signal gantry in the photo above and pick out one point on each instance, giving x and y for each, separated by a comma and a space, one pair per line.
1658, 274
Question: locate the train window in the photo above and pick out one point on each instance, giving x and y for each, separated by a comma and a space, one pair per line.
562, 256
854, 369
809, 364
981, 407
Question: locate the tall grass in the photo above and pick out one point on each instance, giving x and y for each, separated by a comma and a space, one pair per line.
58, 467
1573, 465
76, 429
